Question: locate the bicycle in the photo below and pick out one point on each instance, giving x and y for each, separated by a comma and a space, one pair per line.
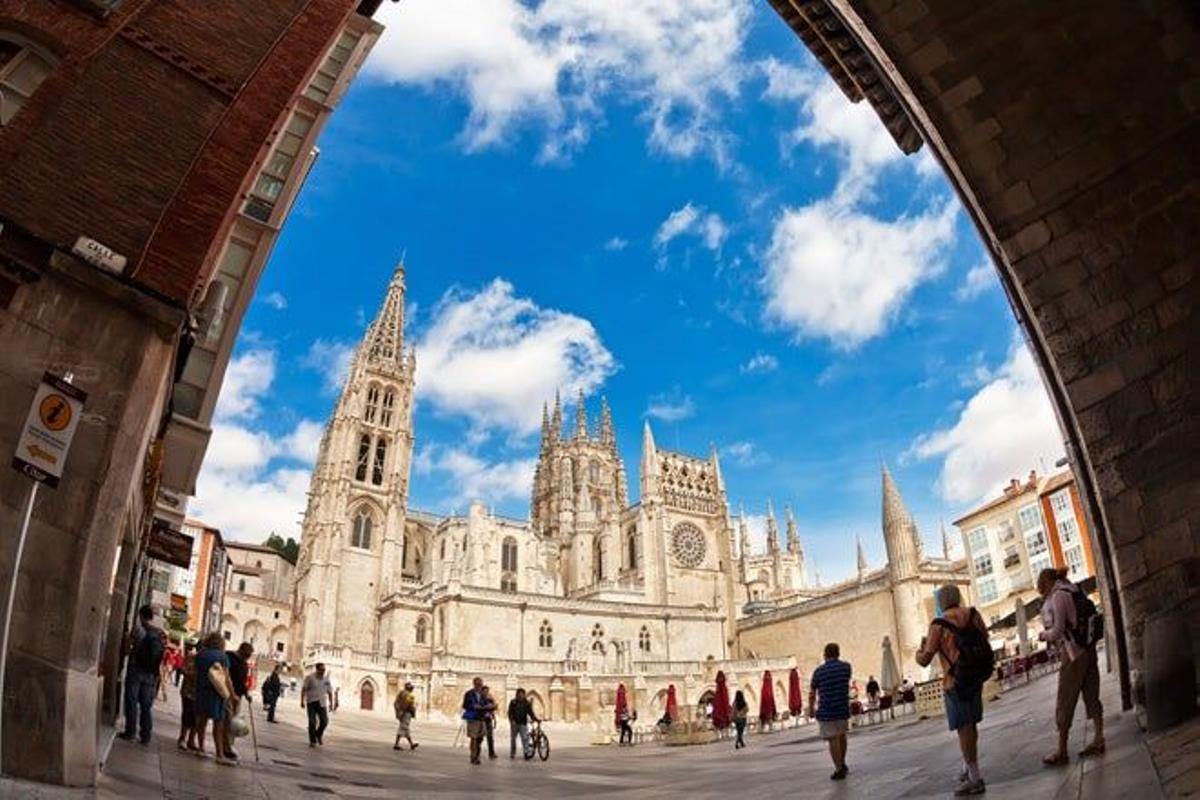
539, 743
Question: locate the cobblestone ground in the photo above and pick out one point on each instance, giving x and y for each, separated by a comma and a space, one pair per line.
908, 758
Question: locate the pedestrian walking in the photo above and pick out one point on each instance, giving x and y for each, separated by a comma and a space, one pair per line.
215, 700
141, 676
490, 721
187, 699
405, 708
1072, 625
474, 713
959, 637
830, 684
624, 716
741, 713
316, 695
873, 692
239, 677
272, 688
520, 712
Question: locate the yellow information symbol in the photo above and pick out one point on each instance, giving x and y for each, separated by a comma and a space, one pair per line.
55, 412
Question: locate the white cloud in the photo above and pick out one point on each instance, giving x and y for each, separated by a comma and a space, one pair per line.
756, 524
671, 406
276, 301
744, 454
495, 358
253, 482
332, 359
691, 220
1006, 429
979, 279
549, 64
677, 223
473, 478
837, 273
761, 362
616, 244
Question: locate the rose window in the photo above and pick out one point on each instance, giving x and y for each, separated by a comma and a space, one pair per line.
687, 545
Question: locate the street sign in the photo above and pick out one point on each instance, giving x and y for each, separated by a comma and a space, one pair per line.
49, 428
169, 545
98, 255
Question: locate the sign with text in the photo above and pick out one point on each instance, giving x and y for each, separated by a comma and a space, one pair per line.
169, 545
44, 441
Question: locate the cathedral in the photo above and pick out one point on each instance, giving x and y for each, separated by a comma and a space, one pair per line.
589, 592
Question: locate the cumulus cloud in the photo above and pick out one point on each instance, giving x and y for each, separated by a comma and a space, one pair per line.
332, 360
1006, 429
834, 272
473, 478
253, 481
276, 301
744, 454
549, 64
671, 406
694, 220
495, 358
979, 279
761, 362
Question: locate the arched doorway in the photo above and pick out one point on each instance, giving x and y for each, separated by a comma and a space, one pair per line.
366, 696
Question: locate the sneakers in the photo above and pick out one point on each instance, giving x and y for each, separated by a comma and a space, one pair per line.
840, 775
970, 787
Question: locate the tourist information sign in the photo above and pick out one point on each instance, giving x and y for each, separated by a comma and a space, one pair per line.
49, 428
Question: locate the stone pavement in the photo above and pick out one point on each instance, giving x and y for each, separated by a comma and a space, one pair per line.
904, 759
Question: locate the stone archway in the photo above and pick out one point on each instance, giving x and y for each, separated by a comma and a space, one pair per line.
366, 695
1068, 132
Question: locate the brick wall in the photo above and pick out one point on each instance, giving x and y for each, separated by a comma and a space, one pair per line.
1070, 131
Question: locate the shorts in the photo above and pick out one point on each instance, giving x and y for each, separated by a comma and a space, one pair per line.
962, 711
476, 729
403, 724
832, 728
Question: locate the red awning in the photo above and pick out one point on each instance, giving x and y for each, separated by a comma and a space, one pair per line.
795, 702
622, 705
672, 703
720, 704
766, 704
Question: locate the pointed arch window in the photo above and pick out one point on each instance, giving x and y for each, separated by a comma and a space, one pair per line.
443, 554
364, 458
508, 555
546, 635
508, 582
389, 403
372, 408
360, 533
598, 560
422, 626
644, 639
380, 459
631, 547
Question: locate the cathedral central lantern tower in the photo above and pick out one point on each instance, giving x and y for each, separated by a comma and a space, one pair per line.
353, 532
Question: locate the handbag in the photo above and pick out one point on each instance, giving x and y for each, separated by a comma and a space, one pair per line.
218, 676
238, 725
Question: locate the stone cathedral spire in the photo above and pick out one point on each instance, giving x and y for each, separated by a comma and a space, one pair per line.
581, 420
743, 533
945, 542
899, 532
608, 435
772, 530
862, 557
384, 341
793, 536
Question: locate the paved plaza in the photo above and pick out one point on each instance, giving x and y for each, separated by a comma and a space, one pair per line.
909, 758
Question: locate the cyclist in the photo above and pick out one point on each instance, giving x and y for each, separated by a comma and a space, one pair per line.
520, 712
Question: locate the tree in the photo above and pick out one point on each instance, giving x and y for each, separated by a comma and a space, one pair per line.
288, 548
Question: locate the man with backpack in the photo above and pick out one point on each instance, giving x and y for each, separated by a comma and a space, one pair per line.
1073, 625
959, 637
141, 676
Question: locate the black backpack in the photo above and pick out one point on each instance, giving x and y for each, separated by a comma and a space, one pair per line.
1089, 622
148, 652
975, 657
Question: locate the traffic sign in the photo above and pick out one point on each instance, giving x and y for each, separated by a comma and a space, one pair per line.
49, 428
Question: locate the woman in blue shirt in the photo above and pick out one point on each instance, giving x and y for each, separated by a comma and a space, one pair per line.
210, 702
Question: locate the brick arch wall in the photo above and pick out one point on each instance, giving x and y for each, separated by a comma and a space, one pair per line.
1069, 132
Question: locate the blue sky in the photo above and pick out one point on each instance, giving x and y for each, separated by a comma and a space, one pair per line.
669, 205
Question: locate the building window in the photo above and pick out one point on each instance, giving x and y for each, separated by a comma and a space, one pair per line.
380, 458
372, 403
389, 402
594, 471
508, 555
274, 174
22, 70
977, 537
598, 560
279, 647
364, 458
1061, 503
597, 632
644, 640
631, 547
322, 83
443, 555
360, 536
421, 626
1035, 542
1068, 531
983, 564
391, 647
545, 635
1076, 567
987, 590
1039, 563
1012, 557
1006, 531
242, 586
228, 636
508, 582
1030, 517
276, 615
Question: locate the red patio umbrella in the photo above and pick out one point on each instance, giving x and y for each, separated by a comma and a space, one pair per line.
720, 703
766, 704
622, 704
672, 704
794, 696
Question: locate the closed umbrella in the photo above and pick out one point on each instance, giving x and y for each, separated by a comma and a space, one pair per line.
622, 705
672, 704
720, 713
794, 696
889, 673
766, 705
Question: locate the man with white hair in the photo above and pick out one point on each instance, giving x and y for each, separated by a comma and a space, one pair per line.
959, 637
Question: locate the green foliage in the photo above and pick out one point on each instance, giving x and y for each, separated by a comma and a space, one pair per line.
289, 548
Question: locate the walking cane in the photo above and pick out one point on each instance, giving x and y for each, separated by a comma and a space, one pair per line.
253, 732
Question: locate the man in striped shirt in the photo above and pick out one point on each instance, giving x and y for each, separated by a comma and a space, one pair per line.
831, 683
